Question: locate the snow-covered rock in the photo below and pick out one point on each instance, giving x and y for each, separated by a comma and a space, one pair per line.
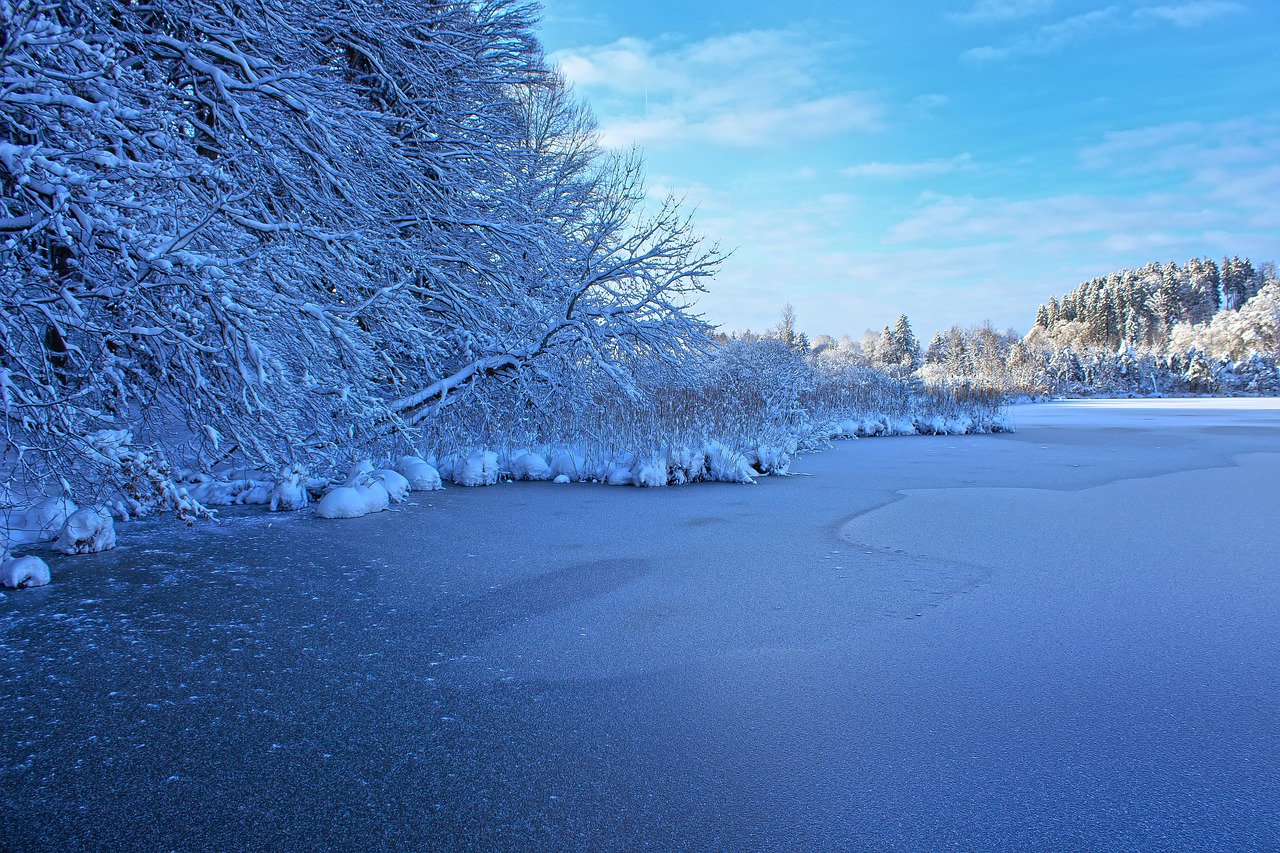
526, 465
22, 572
86, 531
478, 469
353, 501
562, 479
396, 484
421, 476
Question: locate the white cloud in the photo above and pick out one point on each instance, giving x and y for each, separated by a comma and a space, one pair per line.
1236, 162
749, 89
847, 263
1053, 37
997, 11
1189, 15
1045, 39
908, 171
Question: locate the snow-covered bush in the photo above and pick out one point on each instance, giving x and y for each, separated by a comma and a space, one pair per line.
290, 490
22, 572
421, 476
86, 531
396, 484
260, 234
354, 501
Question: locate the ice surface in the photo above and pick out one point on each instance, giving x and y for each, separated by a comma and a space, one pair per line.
1058, 639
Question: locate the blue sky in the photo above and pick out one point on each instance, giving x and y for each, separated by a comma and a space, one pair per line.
956, 161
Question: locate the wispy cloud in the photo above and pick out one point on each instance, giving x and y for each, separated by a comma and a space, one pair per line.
845, 262
998, 11
908, 171
1052, 37
1189, 15
749, 89
1045, 39
1219, 178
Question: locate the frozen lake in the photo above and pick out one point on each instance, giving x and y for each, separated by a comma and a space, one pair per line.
1065, 638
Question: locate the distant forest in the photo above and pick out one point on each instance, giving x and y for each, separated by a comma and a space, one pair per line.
1200, 327
1142, 307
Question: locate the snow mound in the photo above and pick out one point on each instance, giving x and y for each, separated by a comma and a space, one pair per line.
652, 472
478, 469
566, 463
22, 572
526, 465
86, 531
562, 479
685, 465
353, 501
38, 523
727, 466
396, 484
290, 491
620, 477
772, 459
421, 476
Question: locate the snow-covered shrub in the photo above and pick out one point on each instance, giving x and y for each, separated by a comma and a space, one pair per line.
653, 472
686, 465
479, 468
86, 531
526, 465
421, 476
396, 484
290, 490
143, 478
725, 465
619, 476
353, 501
566, 463
40, 522
23, 572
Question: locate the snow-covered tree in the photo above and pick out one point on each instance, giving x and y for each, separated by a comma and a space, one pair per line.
289, 230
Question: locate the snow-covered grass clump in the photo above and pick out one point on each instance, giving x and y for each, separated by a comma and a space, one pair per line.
743, 413
22, 572
354, 501
421, 476
40, 522
86, 531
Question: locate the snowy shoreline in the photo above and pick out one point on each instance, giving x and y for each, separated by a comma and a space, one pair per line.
366, 489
